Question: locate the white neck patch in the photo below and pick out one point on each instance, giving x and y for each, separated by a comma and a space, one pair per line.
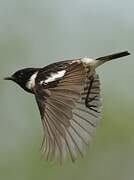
54, 76
31, 83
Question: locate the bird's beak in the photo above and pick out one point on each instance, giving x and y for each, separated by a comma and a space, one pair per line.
9, 78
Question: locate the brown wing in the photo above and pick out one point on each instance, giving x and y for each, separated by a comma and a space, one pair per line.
68, 123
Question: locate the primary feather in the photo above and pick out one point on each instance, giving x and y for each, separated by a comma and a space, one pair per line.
70, 113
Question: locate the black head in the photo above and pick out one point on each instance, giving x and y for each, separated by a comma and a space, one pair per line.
21, 77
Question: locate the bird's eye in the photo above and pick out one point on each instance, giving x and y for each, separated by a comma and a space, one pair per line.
20, 74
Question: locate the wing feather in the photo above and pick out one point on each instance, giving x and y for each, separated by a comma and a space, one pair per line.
70, 113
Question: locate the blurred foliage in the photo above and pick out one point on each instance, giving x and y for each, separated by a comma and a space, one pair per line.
35, 33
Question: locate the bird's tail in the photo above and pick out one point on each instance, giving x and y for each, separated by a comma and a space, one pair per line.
104, 59
113, 56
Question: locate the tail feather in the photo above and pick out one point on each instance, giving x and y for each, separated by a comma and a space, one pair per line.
114, 56
94, 63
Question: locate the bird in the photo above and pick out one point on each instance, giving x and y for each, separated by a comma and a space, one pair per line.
68, 96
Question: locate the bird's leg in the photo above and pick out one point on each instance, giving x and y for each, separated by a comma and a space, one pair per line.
89, 99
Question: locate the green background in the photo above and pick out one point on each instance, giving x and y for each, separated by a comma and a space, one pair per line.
35, 33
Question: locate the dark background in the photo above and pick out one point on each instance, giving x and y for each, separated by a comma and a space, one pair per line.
36, 33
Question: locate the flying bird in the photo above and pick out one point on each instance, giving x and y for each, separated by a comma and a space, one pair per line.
69, 100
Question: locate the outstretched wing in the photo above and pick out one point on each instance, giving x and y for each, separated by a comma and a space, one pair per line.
70, 110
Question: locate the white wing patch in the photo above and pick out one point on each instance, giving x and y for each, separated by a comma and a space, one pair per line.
54, 76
